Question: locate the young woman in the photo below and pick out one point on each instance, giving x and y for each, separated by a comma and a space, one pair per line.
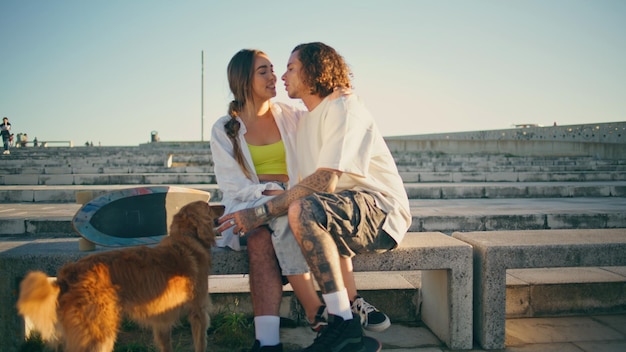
253, 150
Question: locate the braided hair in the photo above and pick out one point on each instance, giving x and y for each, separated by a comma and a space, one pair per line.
240, 71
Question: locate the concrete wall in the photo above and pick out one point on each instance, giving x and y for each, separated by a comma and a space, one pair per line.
603, 141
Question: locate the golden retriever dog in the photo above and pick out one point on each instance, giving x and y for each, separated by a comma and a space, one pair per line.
153, 286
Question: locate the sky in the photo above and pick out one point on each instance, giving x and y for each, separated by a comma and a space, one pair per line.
112, 72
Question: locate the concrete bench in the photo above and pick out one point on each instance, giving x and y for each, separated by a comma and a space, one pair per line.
446, 281
497, 251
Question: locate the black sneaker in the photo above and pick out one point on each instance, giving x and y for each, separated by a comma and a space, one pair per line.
257, 347
372, 319
339, 336
320, 321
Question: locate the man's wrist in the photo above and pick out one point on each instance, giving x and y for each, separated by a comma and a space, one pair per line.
262, 212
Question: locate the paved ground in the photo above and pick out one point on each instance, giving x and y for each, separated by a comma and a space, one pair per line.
596, 333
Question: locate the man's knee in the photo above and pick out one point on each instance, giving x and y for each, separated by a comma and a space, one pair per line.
301, 215
304, 214
293, 213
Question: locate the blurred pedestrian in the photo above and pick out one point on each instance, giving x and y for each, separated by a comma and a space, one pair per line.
6, 134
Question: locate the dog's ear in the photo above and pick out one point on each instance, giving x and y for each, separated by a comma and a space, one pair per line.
203, 219
197, 218
206, 217
191, 218
180, 223
217, 210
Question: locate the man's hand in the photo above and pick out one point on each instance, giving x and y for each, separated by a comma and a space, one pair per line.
246, 220
242, 221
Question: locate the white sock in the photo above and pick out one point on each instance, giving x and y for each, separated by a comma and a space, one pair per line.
267, 330
338, 304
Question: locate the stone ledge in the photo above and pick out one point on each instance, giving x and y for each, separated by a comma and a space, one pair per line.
497, 251
447, 280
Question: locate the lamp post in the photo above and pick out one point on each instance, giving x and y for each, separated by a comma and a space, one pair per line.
202, 97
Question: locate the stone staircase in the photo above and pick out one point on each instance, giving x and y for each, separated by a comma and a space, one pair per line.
476, 192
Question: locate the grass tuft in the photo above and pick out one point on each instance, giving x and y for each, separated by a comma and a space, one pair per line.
34, 343
231, 329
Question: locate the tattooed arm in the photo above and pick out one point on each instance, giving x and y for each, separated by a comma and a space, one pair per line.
322, 180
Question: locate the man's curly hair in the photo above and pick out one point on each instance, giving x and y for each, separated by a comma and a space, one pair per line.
323, 69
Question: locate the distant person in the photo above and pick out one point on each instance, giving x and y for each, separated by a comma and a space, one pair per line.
24, 140
6, 134
35, 142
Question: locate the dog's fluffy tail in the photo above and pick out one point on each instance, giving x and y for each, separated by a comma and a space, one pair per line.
38, 302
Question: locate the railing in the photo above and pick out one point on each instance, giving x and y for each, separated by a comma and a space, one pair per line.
44, 144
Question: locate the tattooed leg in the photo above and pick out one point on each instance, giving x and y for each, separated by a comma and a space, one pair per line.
318, 247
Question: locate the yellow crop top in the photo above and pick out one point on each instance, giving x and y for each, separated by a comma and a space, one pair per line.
269, 159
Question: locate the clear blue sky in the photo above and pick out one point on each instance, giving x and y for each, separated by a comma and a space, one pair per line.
112, 71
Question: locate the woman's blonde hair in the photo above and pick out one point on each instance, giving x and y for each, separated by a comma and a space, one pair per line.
240, 72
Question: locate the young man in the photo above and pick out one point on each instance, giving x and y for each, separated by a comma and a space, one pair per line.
350, 199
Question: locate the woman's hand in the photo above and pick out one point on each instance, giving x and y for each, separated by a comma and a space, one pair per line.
340, 92
272, 192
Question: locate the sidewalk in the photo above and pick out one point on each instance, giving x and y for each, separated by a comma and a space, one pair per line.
594, 333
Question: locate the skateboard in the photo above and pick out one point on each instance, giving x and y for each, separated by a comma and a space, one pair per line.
371, 344
133, 216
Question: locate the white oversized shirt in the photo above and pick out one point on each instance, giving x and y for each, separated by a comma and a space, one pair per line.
341, 135
238, 191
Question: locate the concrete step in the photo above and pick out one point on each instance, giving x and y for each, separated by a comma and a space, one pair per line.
188, 150
68, 193
91, 168
460, 190
565, 291
113, 175
80, 160
443, 215
435, 190
446, 215
395, 292
154, 163
530, 293
526, 166
513, 176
